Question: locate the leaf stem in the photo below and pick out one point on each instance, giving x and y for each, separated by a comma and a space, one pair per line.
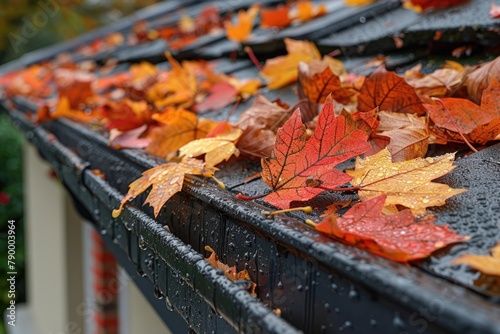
305, 209
310, 223
253, 57
249, 198
219, 182
455, 124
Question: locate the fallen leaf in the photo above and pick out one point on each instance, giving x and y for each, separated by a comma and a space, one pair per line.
231, 272
302, 168
318, 81
257, 142
399, 237
406, 183
389, 92
358, 2
487, 264
481, 77
216, 149
240, 31
307, 11
283, 70
180, 88
264, 114
126, 114
128, 139
442, 82
220, 95
408, 133
423, 5
166, 179
332, 209
275, 17
179, 127
75, 85
479, 124
63, 109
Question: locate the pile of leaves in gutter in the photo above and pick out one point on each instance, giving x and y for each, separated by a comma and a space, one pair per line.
384, 120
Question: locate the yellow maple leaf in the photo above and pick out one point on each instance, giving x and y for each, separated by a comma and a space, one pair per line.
283, 70
166, 179
216, 149
406, 183
487, 264
240, 31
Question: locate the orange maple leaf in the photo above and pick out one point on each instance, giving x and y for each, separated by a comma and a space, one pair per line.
489, 265
307, 11
180, 88
240, 31
317, 81
389, 92
399, 237
302, 168
179, 127
275, 17
283, 70
166, 179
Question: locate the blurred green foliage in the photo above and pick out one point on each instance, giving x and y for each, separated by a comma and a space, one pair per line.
11, 183
26, 25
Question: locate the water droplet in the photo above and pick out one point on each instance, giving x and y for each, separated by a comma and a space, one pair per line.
169, 305
373, 322
398, 322
353, 294
142, 243
158, 294
128, 225
280, 285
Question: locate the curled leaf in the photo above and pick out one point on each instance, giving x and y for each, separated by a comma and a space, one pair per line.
216, 149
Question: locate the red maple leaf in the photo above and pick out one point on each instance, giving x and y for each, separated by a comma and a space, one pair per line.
399, 237
301, 168
390, 92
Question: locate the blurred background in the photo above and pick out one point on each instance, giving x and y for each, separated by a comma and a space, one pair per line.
45, 22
